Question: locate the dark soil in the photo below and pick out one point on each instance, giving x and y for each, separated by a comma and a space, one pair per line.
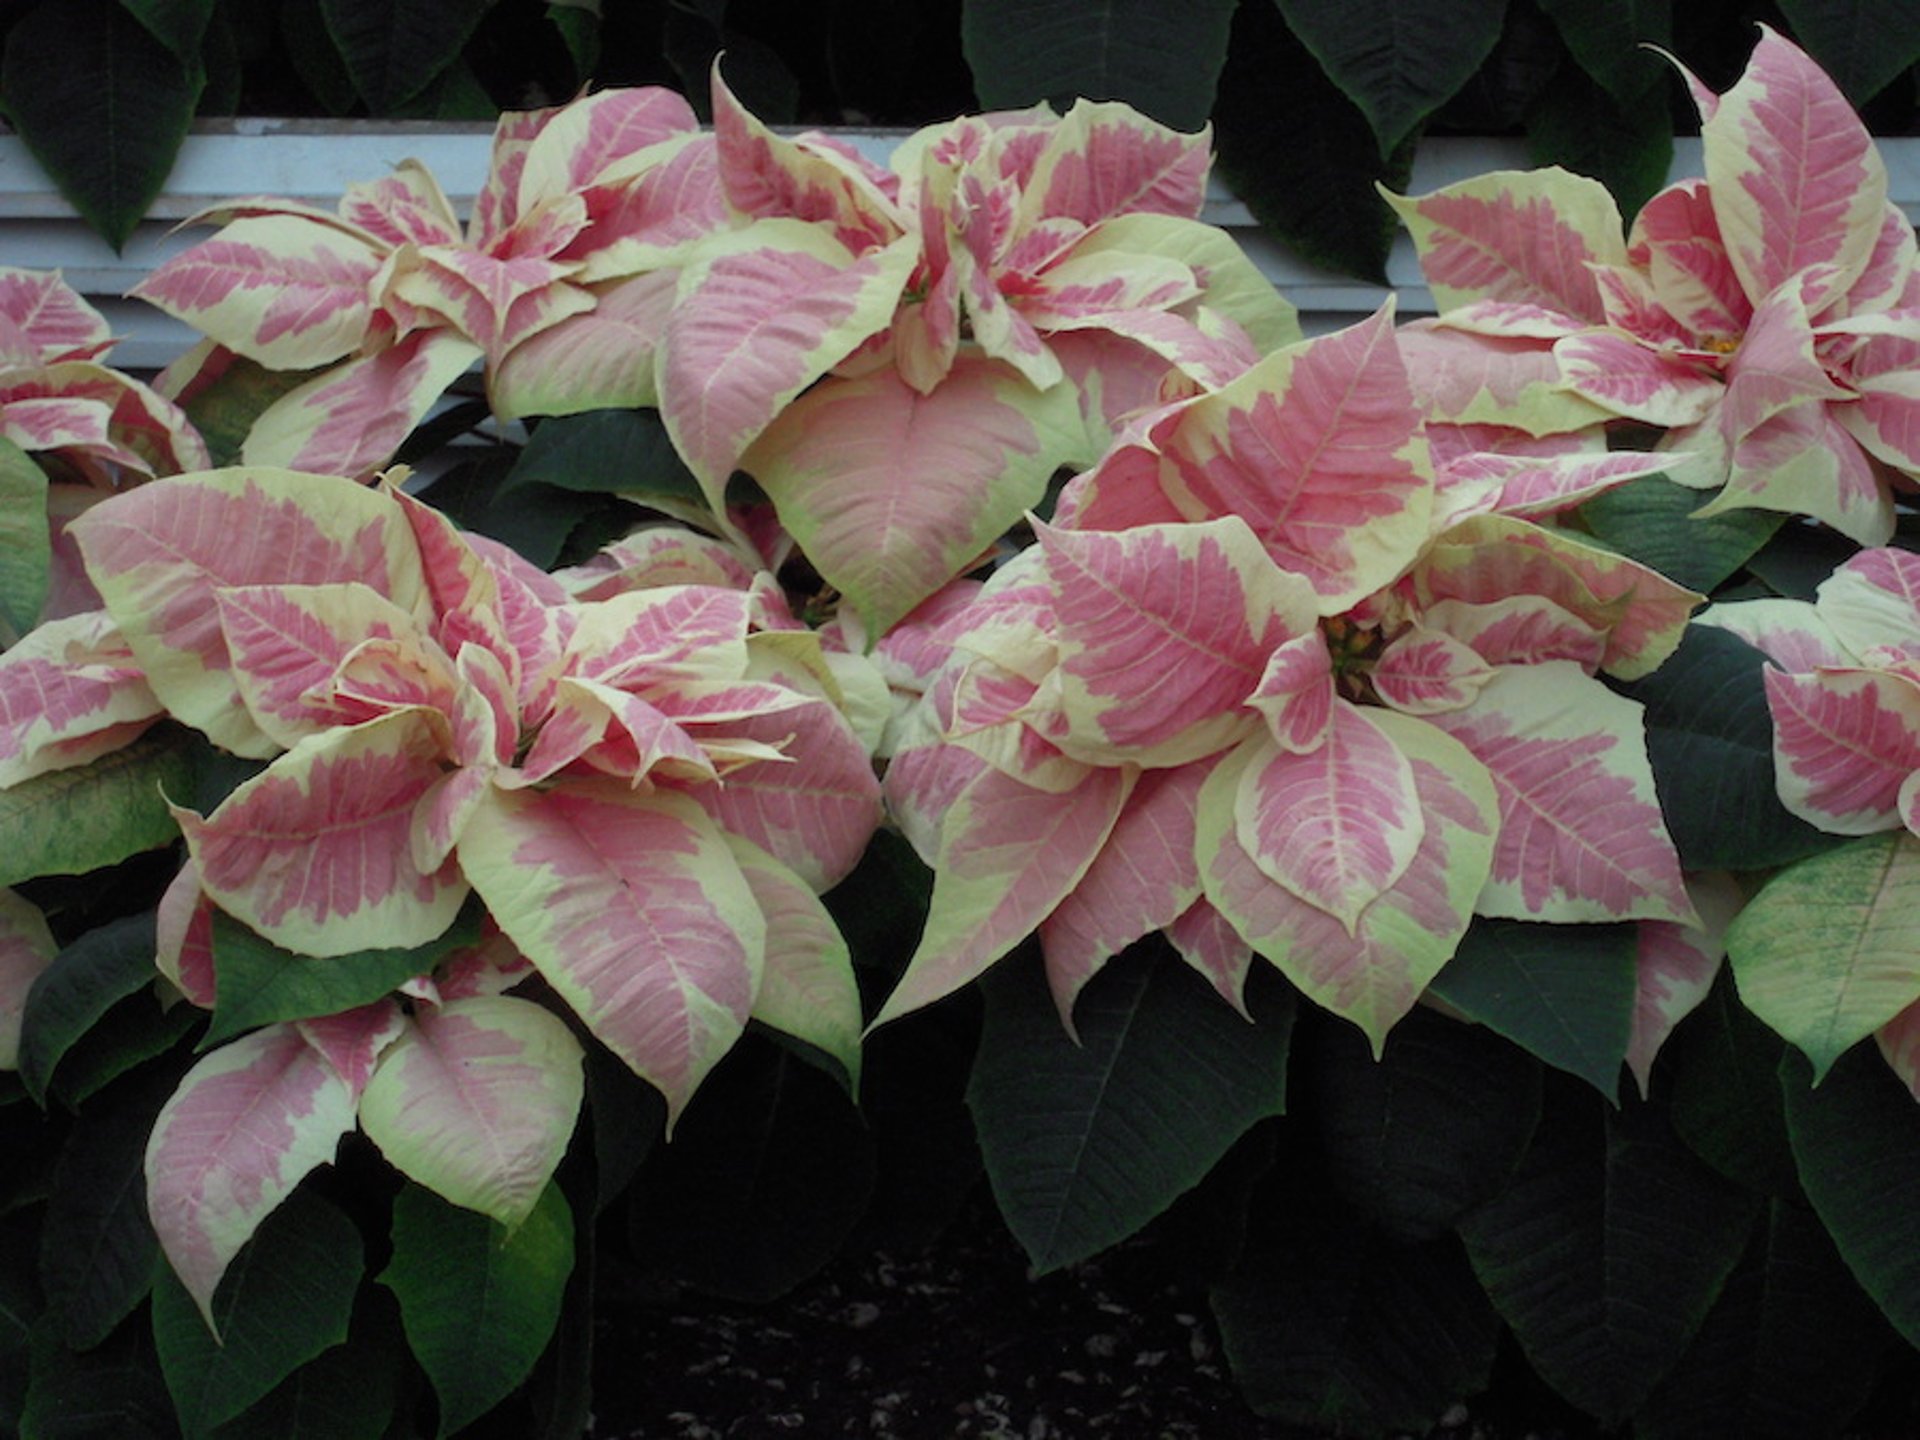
951, 1340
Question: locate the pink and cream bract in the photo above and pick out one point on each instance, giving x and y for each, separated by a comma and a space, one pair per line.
632, 785
1763, 317
1266, 692
558, 284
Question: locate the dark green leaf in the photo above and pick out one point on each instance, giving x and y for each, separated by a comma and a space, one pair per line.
287, 1297
1724, 1067
180, 25
479, 1303
1626, 146
766, 1173
579, 27
1787, 1352
759, 78
112, 1392
534, 519
1562, 992
1710, 738
1299, 154
395, 48
102, 105
220, 58
348, 1393
97, 1249
86, 980
19, 1304
1799, 557
1606, 1251
303, 32
127, 1036
454, 94
1397, 62
257, 983
1609, 42
25, 550
1862, 44
1086, 1143
230, 395
441, 430
1856, 1137
610, 452
1160, 59
68, 822
1648, 519
1428, 1131
1330, 1326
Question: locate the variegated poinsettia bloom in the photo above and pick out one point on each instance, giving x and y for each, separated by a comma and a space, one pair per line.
1767, 316
1267, 688
559, 283
1844, 692
903, 356
89, 429
647, 791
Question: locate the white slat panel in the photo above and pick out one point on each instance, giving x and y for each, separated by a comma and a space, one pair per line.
315, 160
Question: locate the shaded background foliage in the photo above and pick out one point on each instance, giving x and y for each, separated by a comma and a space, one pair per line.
1312, 101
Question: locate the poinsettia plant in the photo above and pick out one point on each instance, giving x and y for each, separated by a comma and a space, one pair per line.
928, 671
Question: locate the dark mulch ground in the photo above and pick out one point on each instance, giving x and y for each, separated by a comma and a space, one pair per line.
953, 1340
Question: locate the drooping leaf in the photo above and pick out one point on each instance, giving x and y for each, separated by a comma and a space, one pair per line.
86, 979
1430, 1129
768, 1171
1374, 974
1856, 1136
68, 822
395, 48
285, 1299
25, 550
1008, 854
636, 914
102, 105
1562, 992
1787, 1352
479, 1301
97, 1250
1085, 1143
257, 982
1158, 60
476, 1101
1397, 63
1827, 952
1300, 154
1331, 1326
1606, 1250
1710, 738
246, 1124
1649, 520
